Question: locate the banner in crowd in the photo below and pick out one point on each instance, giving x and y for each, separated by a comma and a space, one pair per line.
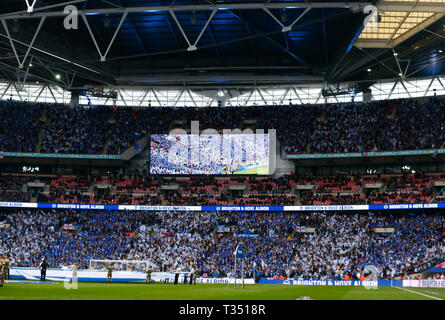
357, 283
365, 207
92, 275
65, 274
345, 283
365, 154
439, 268
424, 283
225, 280
61, 155
118, 276
69, 226
289, 156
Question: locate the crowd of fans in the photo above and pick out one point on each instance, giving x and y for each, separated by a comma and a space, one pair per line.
373, 126
348, 128
309, 245
346, 244
411, 117
11, 189
138, 189
19, 126
76, 130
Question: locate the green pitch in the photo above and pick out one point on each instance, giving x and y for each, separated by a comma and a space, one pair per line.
133, 291
259, 170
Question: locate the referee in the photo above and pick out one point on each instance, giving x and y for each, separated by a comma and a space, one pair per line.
5, 270
43, 267
177, 275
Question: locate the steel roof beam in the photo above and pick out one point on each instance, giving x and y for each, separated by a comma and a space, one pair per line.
289, 27
104, 55
181, 29
192, 47
136, 28
5, 66
6, 90
22, 63
275, 42
401, 74
411, 7
22, 46
197, 7
205, 27
427, 65
376, 43
63, 4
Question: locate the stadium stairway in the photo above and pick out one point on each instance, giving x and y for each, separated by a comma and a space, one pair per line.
131, 152
105, 149
111, 120
44, 119
392, 112
322, 117
308, 148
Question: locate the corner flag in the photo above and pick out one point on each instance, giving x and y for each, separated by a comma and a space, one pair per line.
239, 252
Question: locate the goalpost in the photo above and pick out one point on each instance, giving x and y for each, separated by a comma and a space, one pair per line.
120, 265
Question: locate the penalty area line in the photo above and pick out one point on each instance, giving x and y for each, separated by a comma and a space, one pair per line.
422, 294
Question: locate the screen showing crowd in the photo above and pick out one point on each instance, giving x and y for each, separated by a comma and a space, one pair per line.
210, 154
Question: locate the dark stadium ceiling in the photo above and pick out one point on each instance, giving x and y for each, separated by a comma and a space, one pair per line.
243, 44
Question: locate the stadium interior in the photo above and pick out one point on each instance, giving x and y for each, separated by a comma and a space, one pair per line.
101, 100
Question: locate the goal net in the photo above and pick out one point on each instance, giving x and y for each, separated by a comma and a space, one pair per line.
119, 265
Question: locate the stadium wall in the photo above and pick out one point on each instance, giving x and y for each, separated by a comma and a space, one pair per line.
131, 276
360, 207
357, 283
65, 274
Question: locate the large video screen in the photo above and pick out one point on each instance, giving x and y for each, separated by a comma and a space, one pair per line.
226, 154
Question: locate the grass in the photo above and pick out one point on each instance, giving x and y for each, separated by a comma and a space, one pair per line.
259, 170
141, 291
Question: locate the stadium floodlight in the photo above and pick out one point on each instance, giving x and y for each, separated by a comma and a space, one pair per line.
284, 16
192, 48
193, 18
107, 21
15, 26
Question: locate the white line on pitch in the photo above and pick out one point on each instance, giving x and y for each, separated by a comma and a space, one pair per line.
422, 294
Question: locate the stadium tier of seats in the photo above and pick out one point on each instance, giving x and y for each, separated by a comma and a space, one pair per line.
286, 190
332, 245
373, 126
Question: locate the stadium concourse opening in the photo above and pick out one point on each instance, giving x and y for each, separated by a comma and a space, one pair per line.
222, 150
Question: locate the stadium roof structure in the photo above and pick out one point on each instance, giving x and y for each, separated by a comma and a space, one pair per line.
220, 43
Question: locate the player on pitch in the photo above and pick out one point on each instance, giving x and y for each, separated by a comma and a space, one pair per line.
2, 262
5, 269
149, 272
196, 274
110, 273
